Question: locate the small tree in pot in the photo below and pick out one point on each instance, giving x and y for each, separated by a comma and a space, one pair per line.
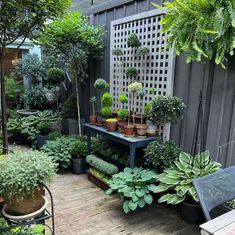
21, 177
107, 102
79, 151
122, 113
93, 100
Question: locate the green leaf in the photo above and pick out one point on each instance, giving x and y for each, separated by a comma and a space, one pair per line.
161, 188
185, 159
148, 198
164, 198
141, 203
140, 192
132, 205
126, 207
109, 191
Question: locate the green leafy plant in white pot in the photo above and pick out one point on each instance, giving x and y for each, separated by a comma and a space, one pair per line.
22, 176
135, 187
179, 180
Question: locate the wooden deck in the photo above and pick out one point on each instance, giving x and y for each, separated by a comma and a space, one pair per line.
83, 209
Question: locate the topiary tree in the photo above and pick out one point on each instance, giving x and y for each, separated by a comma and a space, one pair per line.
76, 41
20, 20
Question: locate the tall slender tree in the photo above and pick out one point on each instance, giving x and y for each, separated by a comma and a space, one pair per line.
21, 19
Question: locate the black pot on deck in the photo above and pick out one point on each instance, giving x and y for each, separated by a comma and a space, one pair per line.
41, 140
79, 166
191, 213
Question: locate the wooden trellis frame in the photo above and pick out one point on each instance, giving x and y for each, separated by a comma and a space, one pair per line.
158, 65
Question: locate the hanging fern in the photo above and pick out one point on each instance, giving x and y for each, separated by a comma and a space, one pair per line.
201, 28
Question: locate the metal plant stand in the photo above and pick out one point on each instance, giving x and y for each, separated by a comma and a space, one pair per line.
41, 219
132, 143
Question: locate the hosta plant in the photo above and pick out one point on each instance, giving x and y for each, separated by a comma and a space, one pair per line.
135, 186
178, 179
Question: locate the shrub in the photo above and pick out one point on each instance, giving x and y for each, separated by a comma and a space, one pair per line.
107, 112
60, 150
160, 154
131, 72
123, 99
180, 175
135, 186
122, 113
14, 88
79, 147
36, 98
107, 100
69, 109
54, 76
142, 51
98, 144
166, 109
22, 172
101, 165
100, 83
14, 124
54, 135
135, 87
117, 51
133, 41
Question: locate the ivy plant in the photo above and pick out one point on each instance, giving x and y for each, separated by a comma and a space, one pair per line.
135, 186
203, 29
179, 177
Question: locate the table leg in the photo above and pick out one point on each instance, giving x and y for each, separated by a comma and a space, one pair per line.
89, 141
132, 156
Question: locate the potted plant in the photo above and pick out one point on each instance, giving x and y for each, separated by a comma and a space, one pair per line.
22, 187
54, 77
131, 73
135, 187
179, 177
111, 124
100, 84
141, 128
133, 42
42, 136
70, 116
93, 100
107, 102
152, 128
122, 113
79, 151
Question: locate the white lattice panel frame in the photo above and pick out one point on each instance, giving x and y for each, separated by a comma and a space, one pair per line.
155, 70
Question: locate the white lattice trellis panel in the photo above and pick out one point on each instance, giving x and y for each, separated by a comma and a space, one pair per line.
154, 71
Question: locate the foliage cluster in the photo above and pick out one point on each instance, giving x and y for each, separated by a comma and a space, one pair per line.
135, 186
79, 147
69, 109
54, 76
14, 88
123, 114
133, 41
99, 175
100, 84
131, 72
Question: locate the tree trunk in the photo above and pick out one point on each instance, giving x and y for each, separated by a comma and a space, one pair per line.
78, 108
3, 103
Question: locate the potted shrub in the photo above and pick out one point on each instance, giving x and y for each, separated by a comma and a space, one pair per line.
70, 116
21, 177
152, 128
122, 113
93, 100
135, 187
107, 102
42, 136
133, 42
79, 151
178, 178
111, 124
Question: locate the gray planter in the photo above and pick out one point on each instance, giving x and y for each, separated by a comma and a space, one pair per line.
41, 140
70, 126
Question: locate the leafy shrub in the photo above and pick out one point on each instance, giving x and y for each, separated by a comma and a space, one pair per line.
135, 186
79, 147
117, 51
60, 150
14, 124
22, 172
69, 109
44, 128
166, 109
131, 72
204, 29
98, 144
36, 98
123, 99
133, 41
107, 112
160, 154
100, 83
54, 76
180, 175
147, 109
107, 100
14, 88
142, 51
101, 165
54, 135
123, 114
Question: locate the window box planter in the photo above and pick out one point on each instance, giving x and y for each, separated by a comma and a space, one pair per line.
98, 182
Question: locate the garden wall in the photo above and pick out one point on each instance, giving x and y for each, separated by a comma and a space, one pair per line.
217, 84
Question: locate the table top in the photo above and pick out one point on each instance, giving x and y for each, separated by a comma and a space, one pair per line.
222, 225
117, 135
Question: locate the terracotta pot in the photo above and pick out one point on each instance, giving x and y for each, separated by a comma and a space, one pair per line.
141, 130
121, 124
111, 126
129, 130
93, 119
99, 120
27, 205
104, 123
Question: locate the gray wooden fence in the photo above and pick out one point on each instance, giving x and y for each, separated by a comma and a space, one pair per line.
217, 84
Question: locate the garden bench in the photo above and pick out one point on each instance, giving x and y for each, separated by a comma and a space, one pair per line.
222, 225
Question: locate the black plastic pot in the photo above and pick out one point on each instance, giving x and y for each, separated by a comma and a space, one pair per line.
156, 197
20, 138
191, 213
41, 140
79, 166
220, 210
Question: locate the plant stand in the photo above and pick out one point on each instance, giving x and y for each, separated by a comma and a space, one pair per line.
41, 219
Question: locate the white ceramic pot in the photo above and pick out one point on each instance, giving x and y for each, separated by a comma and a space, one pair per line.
152, 128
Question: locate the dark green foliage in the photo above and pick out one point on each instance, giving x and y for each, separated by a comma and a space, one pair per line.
101, 165
142, 51
202, 29
14, 124
160, 154
79, 147
54, 76
117, 51
36, 99
69, 109
131, 72
135, 186
14, 88
54, 135
166, 109
107, 100
100, 83
98, 144
44, 128
133, 41
60, 150
107, 112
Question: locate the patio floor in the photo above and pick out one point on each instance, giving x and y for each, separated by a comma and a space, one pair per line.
83, 209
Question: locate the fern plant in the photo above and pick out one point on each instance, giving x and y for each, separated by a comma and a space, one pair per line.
204, 29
